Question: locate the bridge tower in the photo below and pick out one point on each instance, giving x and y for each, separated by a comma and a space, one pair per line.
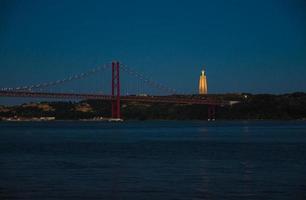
211, 113
116, 90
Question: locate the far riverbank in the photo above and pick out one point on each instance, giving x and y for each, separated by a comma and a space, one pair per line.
244, 107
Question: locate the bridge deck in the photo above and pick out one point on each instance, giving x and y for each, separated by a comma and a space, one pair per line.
157, 99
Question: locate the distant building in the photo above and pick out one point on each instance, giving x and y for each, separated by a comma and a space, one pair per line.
203, 83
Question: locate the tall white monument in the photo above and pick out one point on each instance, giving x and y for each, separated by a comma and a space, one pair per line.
203, 83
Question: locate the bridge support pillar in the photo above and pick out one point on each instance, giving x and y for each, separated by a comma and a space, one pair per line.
211, 113
116, 90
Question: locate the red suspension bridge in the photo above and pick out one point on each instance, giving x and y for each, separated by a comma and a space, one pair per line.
115, 97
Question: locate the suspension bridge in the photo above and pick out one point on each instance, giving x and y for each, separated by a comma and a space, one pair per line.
115, 96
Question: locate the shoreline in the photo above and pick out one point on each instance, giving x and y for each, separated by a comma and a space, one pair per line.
154, 120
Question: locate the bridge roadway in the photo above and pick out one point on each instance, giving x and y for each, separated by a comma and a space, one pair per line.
156, 99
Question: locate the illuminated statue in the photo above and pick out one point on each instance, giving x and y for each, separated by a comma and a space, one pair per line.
203, 83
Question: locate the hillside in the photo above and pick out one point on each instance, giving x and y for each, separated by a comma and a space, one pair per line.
245, 106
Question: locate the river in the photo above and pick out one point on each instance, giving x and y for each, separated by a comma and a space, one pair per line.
153, 160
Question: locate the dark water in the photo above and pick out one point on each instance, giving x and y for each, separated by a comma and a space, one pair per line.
153, 160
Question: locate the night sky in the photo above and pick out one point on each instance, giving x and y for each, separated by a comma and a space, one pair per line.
256, 46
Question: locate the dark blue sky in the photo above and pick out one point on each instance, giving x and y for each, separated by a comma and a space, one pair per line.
256, 46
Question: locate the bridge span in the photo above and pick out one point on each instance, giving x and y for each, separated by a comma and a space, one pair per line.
151, 99
115, 97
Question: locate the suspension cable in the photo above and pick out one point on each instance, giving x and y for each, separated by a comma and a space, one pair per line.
59, 82
147, 80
